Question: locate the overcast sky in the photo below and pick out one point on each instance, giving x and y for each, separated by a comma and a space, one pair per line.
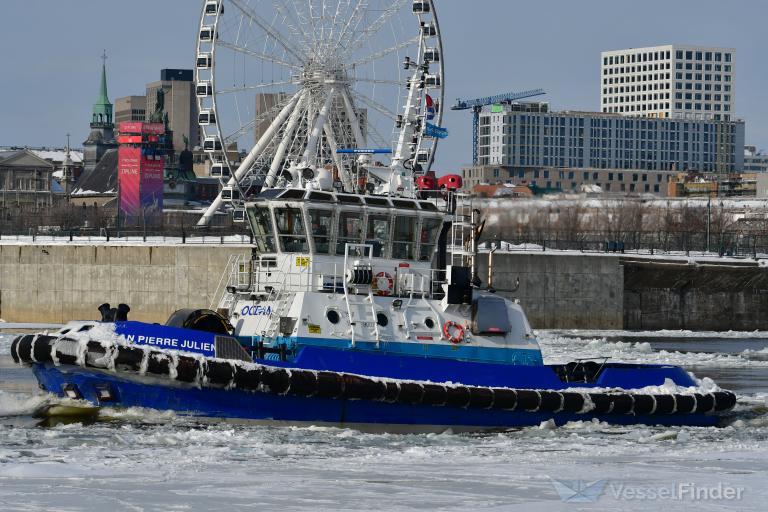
52, 48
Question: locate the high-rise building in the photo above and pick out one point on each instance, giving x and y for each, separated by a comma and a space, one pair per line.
669, 81
180, 105
130, 109
102, 136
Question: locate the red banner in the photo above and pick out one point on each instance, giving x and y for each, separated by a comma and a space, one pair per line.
129, 180
141, 165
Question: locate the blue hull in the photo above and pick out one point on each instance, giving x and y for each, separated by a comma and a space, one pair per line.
242, 405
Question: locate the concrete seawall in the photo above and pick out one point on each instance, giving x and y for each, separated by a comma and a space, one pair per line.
561, 291
60, 282
57, 283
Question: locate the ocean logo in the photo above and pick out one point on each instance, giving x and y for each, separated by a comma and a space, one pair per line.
579, 491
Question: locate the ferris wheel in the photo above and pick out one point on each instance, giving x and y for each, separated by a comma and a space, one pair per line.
354, 86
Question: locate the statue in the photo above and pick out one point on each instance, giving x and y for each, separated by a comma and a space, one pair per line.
157, 115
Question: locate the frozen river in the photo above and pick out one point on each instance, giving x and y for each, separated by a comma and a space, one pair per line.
144, 460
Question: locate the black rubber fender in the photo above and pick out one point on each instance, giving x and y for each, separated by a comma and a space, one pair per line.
24, 349
329, 385
644, 405
159, 363
480, 398
457, 396
724, 401
218, 373
623, 403
42, 349
14, 349
551, 401
528, 400
360, 388
392, 393
277, 380
129, 358
411, 393
686, 404
705, 403
303, 383
434, 394
603, 403
505, 399
573, 402
65, 358
248, 379
665, 404
187, 369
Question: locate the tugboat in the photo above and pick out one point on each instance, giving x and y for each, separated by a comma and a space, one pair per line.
360, 310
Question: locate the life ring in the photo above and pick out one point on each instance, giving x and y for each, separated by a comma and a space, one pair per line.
383, 283
458, 336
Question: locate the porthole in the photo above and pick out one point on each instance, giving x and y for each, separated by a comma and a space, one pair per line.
333, 316
429, 323
382, 319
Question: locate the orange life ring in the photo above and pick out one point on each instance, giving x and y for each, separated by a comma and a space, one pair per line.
456, 338
383, 283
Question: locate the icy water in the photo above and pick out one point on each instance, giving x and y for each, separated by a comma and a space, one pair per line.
146, 460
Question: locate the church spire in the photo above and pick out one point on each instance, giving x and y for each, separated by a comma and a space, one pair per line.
102, 109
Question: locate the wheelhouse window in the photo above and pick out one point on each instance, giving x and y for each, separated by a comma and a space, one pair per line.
350, 230
322, 222
290, 230
378, 233
430, 230
261, 226
404, 239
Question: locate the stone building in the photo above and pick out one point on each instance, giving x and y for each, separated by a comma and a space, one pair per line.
26, 181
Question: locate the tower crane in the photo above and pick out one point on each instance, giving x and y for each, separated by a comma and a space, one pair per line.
477, 105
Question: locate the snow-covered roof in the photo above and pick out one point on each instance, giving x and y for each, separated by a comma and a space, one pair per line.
58, 155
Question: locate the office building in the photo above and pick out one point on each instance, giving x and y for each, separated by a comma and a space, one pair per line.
669, 81
552, 179
180, 105
530, 137
754, 160
130, 109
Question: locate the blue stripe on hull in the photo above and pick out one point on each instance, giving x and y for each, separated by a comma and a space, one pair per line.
235, 404
473, 373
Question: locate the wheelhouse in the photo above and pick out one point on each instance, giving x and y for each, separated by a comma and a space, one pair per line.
296, 221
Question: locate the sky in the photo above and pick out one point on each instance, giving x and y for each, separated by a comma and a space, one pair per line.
52, 50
